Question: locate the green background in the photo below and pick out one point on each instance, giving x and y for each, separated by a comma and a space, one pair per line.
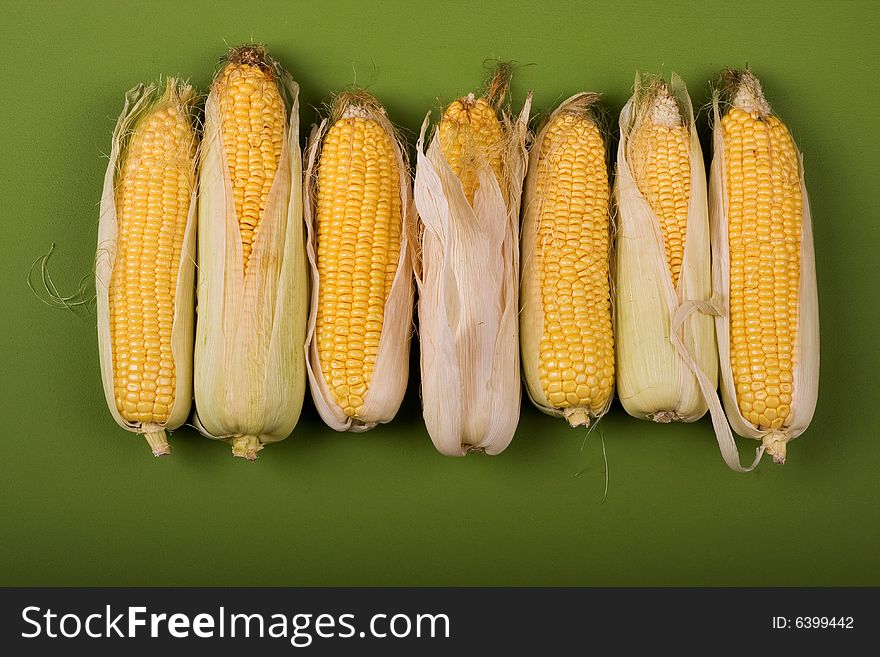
83, 502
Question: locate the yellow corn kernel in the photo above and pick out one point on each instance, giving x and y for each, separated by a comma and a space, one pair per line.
470, 136
661, 166
358, 236
154, 187
252, 115
764, 232
576, 365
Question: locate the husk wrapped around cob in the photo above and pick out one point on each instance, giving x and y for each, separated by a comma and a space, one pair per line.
253, 284
145, 261
359, 216
764, 268
467, 191
663, 258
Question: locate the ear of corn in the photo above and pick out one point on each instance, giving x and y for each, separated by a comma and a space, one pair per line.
252, 288
566, 324
467, 190
358, 208
145, 263
764, 269
663, 259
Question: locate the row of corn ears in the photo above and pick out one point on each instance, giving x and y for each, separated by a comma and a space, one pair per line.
247, 359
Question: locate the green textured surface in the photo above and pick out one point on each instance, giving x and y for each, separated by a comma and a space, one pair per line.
83, 502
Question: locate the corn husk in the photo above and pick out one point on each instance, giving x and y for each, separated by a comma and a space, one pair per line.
385, 394
250, 333
138, 101
468, 295
531, 302
806, 372
655, 379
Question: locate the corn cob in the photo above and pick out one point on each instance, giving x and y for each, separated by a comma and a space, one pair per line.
768, 338
467, 191
145, 258
663, 259
470, 133
566, 324
252, 292
358, 206
252, 120
661, 166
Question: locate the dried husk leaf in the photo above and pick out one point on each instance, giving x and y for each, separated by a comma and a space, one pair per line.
391, 369
138, 101
654, 380
806, 368
468, 293
250, 333
531, 304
